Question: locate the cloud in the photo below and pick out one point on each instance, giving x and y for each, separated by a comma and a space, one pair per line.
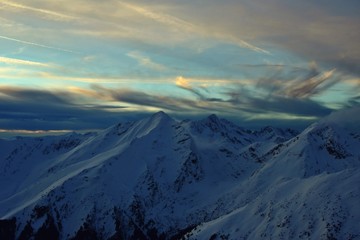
22, 62
184, 83
239, 58
237, 102
307, 35
33, 132
123, 21
99, 107
166, 19
48, 13
37, 44
348, 118
39, 97
30, 109
311, 85
190, 28
324, 31
285, 90
61, 75
146, 61
300, 83
290, 106
144, 99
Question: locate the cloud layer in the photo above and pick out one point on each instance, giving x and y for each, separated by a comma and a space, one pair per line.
86, 64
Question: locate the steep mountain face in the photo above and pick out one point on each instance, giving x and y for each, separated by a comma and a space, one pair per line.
158, 178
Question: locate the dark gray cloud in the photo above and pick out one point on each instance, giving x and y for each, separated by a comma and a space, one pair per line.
194, 91
278, 104
294, 82
323, 31
181, 106
30, 109
310, 86
286, 89
142, 98
352, 102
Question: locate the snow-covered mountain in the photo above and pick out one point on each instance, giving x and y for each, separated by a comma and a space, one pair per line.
159, 178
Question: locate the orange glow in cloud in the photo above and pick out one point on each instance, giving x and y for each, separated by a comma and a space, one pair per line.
182, 82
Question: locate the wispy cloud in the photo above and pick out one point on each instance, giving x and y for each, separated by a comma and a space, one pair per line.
353, 81
23, 62
60, 75
63, 76
188, 27
37, 44
140, 98
292, 107
184, 83
240, 102
312, 85
52, 14
298, 82
146, 61
124, 23
143, 55
162, 18
33, 132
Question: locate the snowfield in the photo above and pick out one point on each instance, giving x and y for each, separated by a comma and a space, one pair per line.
159, 178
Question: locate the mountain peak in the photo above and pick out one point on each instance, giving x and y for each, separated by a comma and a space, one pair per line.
160, 116
212, 122
160, 113
158, 119
213, 118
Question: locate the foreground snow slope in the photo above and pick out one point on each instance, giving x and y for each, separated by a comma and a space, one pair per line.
158, 178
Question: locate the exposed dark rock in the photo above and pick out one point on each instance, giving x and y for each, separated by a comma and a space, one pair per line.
7, 229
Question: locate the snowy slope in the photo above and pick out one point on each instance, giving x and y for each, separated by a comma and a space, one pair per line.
158, 178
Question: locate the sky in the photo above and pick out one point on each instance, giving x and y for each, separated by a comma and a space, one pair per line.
86, 64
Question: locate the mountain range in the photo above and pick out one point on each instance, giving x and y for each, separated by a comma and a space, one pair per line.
161, 178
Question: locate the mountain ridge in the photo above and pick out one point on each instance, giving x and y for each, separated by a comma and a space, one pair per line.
159, 178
